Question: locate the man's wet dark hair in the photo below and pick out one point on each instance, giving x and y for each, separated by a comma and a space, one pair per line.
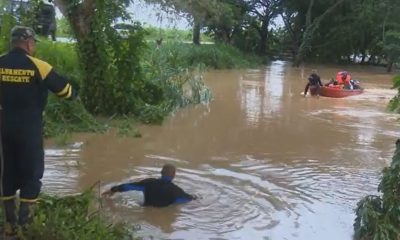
168, 170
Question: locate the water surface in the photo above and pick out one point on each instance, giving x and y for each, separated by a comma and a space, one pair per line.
266, 162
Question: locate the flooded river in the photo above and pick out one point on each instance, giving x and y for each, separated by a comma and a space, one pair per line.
266, 162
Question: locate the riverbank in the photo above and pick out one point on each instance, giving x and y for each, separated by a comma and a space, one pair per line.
173, 69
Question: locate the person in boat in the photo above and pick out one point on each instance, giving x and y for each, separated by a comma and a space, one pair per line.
314, 84
159, 192
331, 83
355, 84
343, 80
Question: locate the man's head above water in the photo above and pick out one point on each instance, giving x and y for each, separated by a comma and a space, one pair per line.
168, 170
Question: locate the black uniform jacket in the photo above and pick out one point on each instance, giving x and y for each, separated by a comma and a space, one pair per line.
24, 86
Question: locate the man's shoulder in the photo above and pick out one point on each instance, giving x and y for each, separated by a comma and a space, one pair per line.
43, 67
4, 55
39, 62
149, 180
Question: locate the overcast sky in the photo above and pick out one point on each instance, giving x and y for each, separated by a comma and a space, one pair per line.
152, 15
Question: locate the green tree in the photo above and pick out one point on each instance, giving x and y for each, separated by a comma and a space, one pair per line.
113, 77
196, 12
263, 11
63, 28
391, 48
229, 21
312, 23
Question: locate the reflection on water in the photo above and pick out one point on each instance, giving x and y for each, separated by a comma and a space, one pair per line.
262, 93
266, 162
62, 169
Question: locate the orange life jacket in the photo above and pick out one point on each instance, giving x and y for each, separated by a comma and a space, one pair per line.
341, 81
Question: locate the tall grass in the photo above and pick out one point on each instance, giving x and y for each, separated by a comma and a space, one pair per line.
77, 217
215, 56
172, 35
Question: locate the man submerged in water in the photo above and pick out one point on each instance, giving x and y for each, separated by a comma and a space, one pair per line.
159, 192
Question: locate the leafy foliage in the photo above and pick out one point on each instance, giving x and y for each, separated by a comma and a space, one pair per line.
63, 28
394, 104
391, 45
112, 70
62, 117
217, 56
378, 217
115, 81
7, 23
72, 217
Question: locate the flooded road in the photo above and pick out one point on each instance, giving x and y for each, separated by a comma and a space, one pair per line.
266, 162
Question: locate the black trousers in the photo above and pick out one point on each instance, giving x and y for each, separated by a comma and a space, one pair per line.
23, 160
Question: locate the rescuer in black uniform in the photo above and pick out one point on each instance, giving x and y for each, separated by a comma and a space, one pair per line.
24, 86
159, 192
314, 84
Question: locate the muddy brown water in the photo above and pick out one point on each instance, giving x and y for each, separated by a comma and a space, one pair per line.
266, 162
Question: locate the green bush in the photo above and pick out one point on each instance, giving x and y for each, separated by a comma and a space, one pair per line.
394, 104
63, 57
7, 22
378, 216
168, 35
72, 218
63, 117
217, 56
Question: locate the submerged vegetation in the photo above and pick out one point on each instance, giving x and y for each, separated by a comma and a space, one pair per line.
378, 216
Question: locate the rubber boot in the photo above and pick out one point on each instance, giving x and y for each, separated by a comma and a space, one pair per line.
25, 213
10, 226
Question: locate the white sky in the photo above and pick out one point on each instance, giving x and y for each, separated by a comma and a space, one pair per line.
152, 15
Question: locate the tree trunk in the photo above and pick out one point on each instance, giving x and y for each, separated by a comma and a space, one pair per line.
306, 37
363, 57
196, 32
371, 59
263, 37
389, 67
79, 16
